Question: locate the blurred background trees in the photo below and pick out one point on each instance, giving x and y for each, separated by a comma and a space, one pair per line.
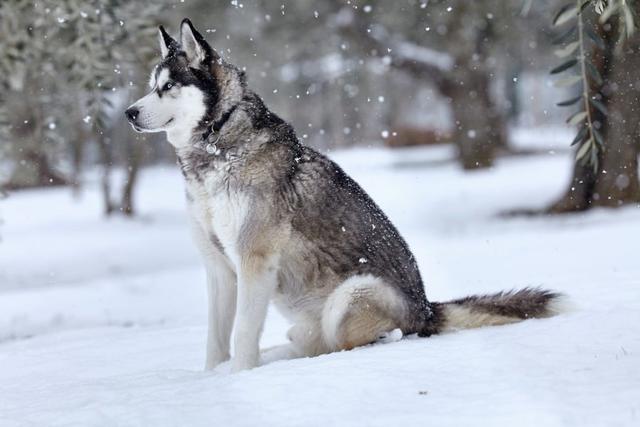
407, 72
64, 66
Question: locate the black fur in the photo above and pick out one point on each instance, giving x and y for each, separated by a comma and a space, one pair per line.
172, 45
210, 54
183, 74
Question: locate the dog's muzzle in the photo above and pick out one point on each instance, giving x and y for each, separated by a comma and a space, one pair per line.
132, 116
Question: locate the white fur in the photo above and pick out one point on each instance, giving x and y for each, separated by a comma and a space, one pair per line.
460, 317
391, 336
195, 52
561, 304
164, 49
340, 300
254, 293
229, 212
177, 112
152, 78
221, 289
257, 279
223, 214
306, 335
163, 77
221, 280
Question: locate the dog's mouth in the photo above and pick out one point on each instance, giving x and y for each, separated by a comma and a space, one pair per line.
141, 129
136, 127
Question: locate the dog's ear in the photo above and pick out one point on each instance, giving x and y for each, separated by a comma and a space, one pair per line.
195, 46
167, 43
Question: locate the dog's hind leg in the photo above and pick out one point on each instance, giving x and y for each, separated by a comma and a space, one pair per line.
307, 338
362, 310
279, 352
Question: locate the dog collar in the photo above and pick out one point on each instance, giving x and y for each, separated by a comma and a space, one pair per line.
211, 136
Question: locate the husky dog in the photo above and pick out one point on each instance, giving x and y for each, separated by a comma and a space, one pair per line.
277, 221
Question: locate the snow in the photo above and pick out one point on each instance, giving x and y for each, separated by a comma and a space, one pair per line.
103, 322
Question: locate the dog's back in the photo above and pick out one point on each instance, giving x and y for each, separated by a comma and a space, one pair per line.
345, 234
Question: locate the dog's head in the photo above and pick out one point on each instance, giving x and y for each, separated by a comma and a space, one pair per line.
191, 87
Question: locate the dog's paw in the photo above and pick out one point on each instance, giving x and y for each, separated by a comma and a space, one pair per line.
278, 352
391, 336
243, 363
223, 368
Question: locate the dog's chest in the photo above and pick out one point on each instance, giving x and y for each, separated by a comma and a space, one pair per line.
221, 213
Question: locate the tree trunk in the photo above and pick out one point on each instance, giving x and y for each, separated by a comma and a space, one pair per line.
615, 182
77, 146
135, 157
107, 164
479, 127
32, 167
618, 182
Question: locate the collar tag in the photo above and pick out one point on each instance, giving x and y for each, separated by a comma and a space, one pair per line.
212, 135
211, 148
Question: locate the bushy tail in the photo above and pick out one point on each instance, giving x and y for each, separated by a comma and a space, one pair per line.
497, 309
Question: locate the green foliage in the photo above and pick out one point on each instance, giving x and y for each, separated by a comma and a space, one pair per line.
576, 43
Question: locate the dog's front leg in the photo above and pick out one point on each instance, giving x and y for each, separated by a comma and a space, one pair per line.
257, 280
221, 293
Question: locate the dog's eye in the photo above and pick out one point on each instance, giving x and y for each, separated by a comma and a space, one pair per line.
167, 86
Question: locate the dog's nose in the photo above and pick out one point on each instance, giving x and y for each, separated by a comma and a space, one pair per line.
132, 113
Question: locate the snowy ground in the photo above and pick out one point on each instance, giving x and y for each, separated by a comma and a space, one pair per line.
103, 322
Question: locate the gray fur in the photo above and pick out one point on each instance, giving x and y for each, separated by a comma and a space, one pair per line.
522, 304
320, 247
333, 223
